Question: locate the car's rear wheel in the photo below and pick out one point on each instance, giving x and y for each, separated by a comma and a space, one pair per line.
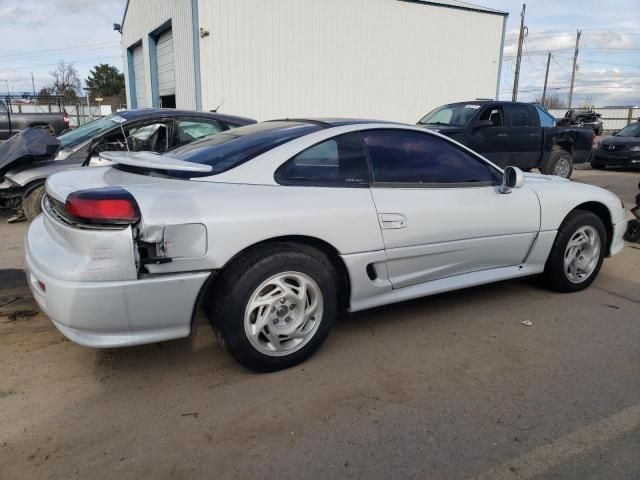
32, 202
577, 252
560, 163
275, 306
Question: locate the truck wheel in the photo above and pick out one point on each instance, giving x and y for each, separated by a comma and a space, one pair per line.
275, 306
560, 163
577, 253
599, 130
32, 202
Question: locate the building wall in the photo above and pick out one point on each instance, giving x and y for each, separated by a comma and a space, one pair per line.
385, 59
145, 16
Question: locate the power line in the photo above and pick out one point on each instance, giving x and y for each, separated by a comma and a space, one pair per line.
71, 61
529, 56
36, 53
606, 63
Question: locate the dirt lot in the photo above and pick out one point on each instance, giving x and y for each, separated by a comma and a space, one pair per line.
448, 387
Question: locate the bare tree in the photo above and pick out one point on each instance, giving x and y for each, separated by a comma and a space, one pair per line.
552, 102
66, 81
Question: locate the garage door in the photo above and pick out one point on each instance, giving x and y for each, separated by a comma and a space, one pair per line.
138, 72
166, 69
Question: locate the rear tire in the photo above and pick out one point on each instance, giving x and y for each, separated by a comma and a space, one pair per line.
32, 202
275, 306
560, 162
599, 130
581, 237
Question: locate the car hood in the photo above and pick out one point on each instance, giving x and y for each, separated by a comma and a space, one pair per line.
28, 146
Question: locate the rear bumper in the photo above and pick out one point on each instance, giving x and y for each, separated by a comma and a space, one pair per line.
105, 314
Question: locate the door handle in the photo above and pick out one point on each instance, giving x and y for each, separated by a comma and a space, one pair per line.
502, 135
534, 134
392, 221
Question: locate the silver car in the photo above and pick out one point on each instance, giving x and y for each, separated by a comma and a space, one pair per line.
274, 228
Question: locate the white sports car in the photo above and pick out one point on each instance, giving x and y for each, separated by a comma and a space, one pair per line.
275, 227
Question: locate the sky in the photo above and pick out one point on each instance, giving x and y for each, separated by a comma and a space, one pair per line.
36, 34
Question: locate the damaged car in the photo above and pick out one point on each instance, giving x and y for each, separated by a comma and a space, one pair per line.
275, 228
28, 158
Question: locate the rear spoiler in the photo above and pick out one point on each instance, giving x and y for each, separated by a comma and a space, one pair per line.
154, 161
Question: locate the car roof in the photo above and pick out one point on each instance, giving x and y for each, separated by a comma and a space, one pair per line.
334, 122
143, 113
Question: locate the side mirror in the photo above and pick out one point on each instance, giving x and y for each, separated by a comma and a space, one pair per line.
615, 132
482, 124
511, 178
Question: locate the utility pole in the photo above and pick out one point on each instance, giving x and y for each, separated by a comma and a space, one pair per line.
523, 34
33, 85
575, 65
546, 77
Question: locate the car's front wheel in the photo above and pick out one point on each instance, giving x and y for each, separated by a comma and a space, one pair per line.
577, 252
32, 202
275, 306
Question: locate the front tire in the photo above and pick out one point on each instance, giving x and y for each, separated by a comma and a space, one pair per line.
560, 163
32, 202
596, 165
577, 253
633, 231
275, 306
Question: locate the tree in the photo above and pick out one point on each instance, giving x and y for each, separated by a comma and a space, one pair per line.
552, 102
105, 81
44, 95
66, 81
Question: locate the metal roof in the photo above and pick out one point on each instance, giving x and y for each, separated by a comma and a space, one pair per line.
459, 5
439, 3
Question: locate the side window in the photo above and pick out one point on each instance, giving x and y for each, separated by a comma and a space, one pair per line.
337, 162
3, 109
494, 115
520, 116
193, 128
400, 156
546, 120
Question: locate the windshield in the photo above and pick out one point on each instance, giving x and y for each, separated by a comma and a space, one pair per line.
90, 130
231, 148
632, 130
454, 115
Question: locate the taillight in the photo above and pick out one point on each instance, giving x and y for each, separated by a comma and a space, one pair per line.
65, 119
105, 206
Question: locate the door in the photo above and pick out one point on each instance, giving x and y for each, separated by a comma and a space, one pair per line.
166, 69
138, 76
489, 135
525, 140
440, 210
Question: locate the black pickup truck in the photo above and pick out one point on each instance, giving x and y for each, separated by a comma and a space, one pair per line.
512, 133
12, 122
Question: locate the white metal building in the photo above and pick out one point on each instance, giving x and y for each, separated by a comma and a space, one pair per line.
387, 59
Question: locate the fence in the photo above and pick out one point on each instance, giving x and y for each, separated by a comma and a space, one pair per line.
613, 118
79, 114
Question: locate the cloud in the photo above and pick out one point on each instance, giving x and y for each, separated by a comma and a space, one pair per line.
7, 13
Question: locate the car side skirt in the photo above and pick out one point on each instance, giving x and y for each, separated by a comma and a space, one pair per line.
369, 293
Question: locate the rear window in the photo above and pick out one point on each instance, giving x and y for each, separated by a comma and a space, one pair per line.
231, 148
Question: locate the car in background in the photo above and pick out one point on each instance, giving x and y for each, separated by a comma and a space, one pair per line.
25, 164
582, 118
12, 122
274, 228
622, 149
513, 133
